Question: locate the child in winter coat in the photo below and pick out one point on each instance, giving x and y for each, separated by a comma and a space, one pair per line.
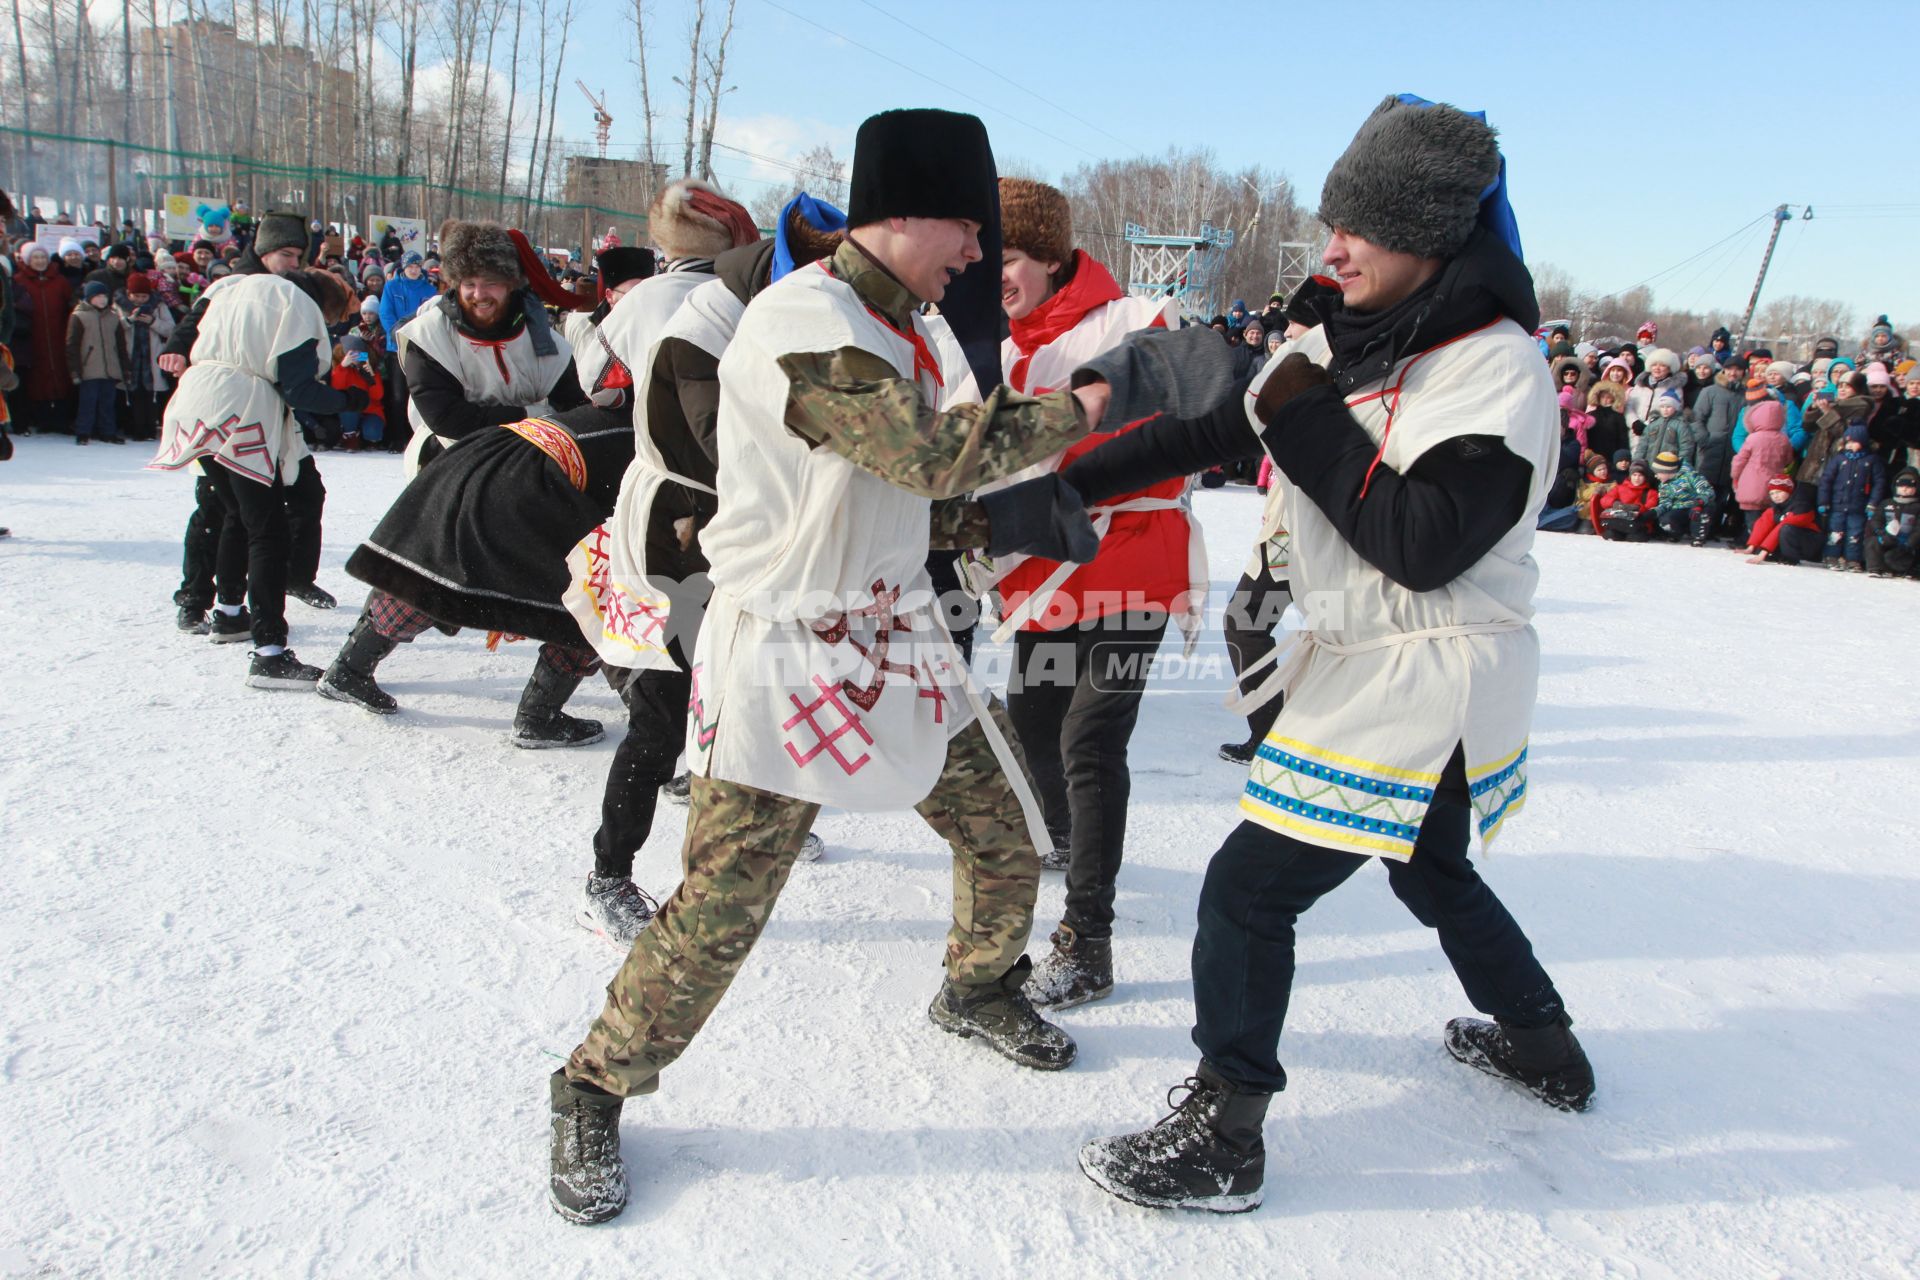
97, 359
353, 367
1854, 480
1893, 530
1788, 531
1685, 508
1624, 513
1666, 430
1765, 453
1598, 479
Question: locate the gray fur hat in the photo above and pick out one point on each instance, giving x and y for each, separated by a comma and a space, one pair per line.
1411, 179
280, 230
478, 249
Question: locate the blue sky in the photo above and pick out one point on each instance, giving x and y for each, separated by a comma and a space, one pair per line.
1637, 136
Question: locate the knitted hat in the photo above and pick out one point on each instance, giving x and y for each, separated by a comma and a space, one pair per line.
1594, 462
1666, 460
1784, 368
1412, 179
1857, 431
922, 163
69, 245
691, 219
478, 249
1907, 476
1648, 332
1660, 355
1828, 347
1877, 375
369, 306
119, 251
1905, 367
353, 342
1781, 480
94, 289
139, 282
1766, 415
1640, 465
411, 259
1036, 220
279, 230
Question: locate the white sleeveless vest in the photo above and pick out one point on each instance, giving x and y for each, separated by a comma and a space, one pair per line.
1383, 682
822, 670
509, 372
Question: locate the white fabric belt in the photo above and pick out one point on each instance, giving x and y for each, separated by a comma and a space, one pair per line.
1290, 658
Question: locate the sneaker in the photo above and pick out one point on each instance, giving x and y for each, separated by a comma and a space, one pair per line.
677, 789
556, 730
811, 849
1205, 1154
313, 596
1054, 857
1832, 563
586, 1179
1000, 1013
1238, 752
281, 671
230, 628
615, 908
1854, 566
1076, 971
1546, 1061
191, 620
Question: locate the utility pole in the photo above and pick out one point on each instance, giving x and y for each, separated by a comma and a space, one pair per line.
1780, 216
173, 122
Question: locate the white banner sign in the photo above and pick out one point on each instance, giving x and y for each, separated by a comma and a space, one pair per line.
412, 232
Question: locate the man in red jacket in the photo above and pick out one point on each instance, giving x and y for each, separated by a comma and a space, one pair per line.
1086, 633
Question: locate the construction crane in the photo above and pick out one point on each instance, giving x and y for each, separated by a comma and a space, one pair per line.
602, 118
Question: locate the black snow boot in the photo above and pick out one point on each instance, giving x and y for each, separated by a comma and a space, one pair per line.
1000, 1013
1545, 1061
350, 678
678, 788
1076, 970
1207, 1154
313, 595
192, 620
587, 1181
231, 628
282, 670
541, 723
1239, 752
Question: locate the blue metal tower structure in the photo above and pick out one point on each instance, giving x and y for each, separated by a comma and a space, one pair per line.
1188, 267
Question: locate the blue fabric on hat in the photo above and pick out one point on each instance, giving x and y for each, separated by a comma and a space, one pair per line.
817, 214
1496, 211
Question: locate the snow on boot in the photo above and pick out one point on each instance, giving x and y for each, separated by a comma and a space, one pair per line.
1054, 858
1238, 752
350, 677
1076, 970
587, 1180
811, 849
616, 908
1000, 1013
1206, 1154
678, 788
1545, 1061
313, 595
541, 723
191, 620
281, 670
230, 628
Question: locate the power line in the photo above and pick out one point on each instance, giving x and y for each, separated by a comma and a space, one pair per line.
924, 76
1690, 257
990, 71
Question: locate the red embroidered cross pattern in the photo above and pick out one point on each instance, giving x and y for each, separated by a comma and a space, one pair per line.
835, 631
827, 739
637, 621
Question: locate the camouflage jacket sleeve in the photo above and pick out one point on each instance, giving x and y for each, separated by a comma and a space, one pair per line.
856, 404
958, 524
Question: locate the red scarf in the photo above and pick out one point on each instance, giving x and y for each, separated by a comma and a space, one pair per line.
1092, 286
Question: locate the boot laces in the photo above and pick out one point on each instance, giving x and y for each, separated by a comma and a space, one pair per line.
1197, 1092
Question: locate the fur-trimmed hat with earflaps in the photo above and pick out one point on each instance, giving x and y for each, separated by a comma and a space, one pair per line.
1036, 219
691, 219
1412, 178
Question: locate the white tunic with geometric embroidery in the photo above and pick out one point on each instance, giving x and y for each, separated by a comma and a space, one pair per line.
822, 671
1385, 682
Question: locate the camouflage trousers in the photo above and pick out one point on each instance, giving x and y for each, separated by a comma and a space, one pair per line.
740, 847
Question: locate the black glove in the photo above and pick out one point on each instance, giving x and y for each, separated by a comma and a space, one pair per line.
1039, 517
1179, 372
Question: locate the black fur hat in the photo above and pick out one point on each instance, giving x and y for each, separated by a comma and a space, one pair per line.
280, 229
1412, 178
922, 163
478, 249
623, 263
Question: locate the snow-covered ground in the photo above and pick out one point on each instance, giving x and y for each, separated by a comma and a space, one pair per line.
281, 982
